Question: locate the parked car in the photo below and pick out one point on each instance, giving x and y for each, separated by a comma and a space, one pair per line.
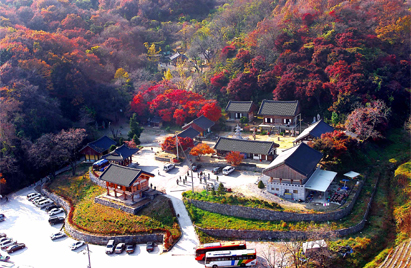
196, 167
15, 247
2, 235
32, 195
2, 217
120, 248
44, 203
168, 167
150, 246
7, 243
130, 248
38, 199
56, 220
58, 235
55, 211
228, 169
3, 239
110, 247
217, 170
77, 245
50, 207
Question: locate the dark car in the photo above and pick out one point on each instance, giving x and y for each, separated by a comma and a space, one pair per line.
217, 170
50, 207
150, 246
56, 220
15, 247
2, 217
130, 248
196, 167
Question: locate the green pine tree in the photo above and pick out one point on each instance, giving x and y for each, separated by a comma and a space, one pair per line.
261, 185
221, 189
135, 128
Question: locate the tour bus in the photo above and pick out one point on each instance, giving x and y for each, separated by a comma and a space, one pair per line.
231, 258
201, 250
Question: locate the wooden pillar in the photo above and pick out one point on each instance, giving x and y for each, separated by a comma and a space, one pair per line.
132, 197
108, 191
115, 192
125, 196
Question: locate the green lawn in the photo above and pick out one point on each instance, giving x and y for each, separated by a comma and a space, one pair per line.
100, 219
232, 199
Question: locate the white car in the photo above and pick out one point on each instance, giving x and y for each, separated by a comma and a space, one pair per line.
55, 211
32, 195
228, 169
7, 243
120, 248
168, 167
44, 203
57, 235
3, 239
110, 246
77, 245
38, 198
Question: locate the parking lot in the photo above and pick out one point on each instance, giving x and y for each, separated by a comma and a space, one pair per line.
28, 224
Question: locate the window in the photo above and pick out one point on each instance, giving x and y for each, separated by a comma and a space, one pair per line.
287, 191
277, 189
295, 191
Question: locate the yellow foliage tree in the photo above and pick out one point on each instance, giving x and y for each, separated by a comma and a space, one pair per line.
151, 51
167, 75
396, 32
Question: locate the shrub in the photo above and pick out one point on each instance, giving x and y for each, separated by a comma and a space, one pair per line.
261, 185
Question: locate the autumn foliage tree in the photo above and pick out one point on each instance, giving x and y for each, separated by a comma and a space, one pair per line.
201, 149
169, 144
333, 145
369, 121
234, 158
173, 104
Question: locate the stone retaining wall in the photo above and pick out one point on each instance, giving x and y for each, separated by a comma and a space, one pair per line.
284, 235
96, 180
270, 215
131, 210
99, 239
243, 166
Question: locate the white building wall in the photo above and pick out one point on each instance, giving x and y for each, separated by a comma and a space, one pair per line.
297, 190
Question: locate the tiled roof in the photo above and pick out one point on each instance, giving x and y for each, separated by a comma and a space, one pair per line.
239, 106
302, 158
101, 145
279, 108
245, 146
120, 153
315, 130
202, 122
121, 175
189, 132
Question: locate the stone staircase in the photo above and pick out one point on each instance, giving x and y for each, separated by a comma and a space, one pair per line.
400, 257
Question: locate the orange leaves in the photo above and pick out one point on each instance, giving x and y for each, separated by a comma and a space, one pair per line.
201, 149
234, 158
395, 32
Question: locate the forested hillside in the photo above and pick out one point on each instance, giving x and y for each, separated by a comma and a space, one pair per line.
69, 67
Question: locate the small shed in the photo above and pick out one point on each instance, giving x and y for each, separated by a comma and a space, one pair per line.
93, 151
202, 124
352, 174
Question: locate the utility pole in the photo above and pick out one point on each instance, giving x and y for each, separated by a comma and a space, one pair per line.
176, 143
88, 252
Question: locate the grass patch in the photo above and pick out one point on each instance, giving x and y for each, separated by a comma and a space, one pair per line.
232, 199
99, 219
